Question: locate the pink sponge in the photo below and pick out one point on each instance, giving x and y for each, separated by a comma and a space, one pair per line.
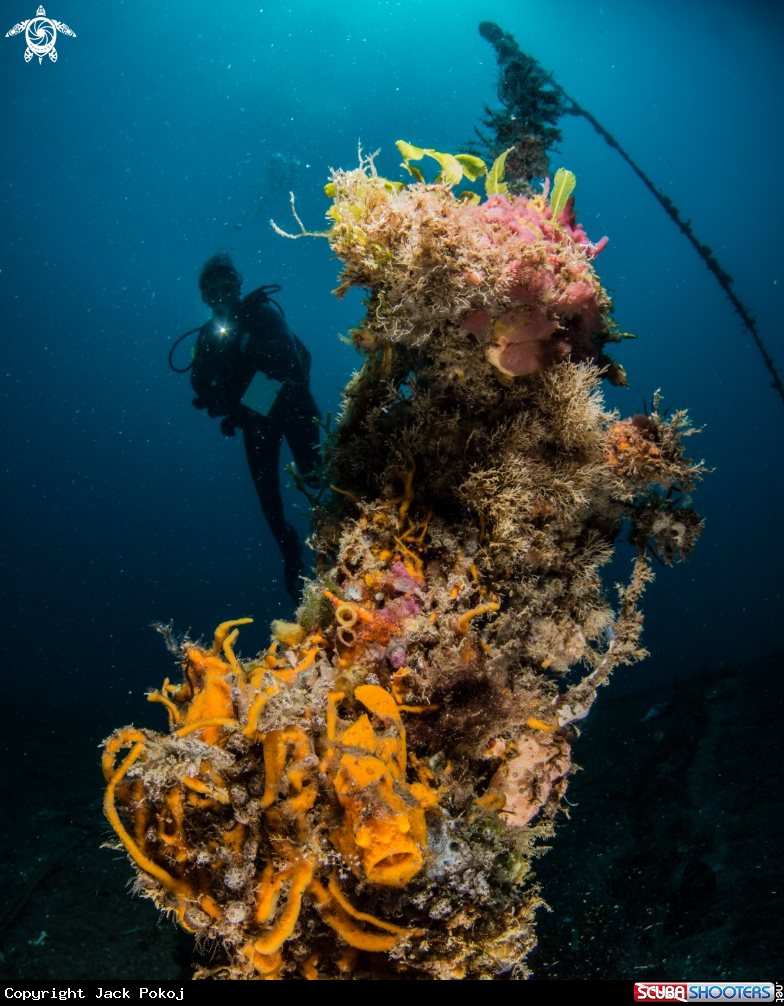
553, 302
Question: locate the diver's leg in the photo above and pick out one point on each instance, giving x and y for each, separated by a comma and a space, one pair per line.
302, 433
262, 449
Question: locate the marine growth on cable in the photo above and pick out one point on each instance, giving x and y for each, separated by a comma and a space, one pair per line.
365, 799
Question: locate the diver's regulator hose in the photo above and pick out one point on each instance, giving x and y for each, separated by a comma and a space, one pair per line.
181, 370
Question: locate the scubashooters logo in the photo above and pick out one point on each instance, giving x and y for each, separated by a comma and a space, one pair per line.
40, 34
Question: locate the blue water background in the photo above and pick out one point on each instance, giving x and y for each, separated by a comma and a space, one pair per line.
144, 149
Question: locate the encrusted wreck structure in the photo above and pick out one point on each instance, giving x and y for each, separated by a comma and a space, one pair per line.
531, 104
364, 800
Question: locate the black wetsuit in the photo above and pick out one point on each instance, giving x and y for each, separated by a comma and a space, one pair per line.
223, 368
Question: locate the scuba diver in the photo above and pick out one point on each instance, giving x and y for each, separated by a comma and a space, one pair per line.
250, 368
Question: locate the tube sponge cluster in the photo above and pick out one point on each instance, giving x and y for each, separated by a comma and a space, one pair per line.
364, 800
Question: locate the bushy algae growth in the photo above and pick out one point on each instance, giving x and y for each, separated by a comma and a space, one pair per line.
365, 799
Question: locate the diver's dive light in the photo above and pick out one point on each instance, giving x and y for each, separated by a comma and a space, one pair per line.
221, 326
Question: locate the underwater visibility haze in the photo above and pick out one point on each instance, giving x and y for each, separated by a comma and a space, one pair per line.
508, 487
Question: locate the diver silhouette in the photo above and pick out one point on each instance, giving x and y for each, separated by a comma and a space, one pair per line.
250, 368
